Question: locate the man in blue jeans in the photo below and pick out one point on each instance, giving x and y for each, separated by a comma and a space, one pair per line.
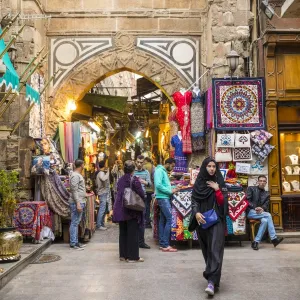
77, 203
163, 192
258, 208
103, 189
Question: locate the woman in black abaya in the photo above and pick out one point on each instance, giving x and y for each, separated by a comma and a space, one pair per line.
210, 192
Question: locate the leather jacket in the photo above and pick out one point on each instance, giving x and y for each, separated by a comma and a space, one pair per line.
257, 198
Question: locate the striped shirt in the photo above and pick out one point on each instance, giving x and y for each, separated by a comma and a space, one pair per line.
143, 174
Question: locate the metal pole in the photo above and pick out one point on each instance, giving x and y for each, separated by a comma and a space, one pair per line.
11, 41
32, 105
8, 26
6, 96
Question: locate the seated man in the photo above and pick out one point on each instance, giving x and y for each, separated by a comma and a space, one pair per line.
258, 209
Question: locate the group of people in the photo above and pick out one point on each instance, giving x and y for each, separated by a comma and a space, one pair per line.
209, 210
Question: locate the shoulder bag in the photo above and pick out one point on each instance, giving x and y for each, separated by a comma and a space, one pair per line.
131, 200
211, 218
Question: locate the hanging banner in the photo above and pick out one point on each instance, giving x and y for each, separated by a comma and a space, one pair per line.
32, 95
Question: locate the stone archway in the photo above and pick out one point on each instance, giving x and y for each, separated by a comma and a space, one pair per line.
155, 63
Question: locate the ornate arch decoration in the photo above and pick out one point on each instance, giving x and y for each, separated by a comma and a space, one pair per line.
94, 63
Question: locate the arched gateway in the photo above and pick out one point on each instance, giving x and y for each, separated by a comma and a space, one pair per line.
80, 62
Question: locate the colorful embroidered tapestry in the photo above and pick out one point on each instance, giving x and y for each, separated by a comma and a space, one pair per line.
237, 204
239, 103
239, 226
182, 201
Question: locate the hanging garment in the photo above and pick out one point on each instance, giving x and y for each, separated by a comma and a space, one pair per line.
197, 123
209, 109
69, 142
61, 129
173, 128
76, 139
183, 103
180, 157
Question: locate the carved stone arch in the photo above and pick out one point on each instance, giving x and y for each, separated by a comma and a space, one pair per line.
125, 55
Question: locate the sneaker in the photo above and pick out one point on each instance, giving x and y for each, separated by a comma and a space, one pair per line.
135, 261
102, 228
75, 247
210, 290
81, 245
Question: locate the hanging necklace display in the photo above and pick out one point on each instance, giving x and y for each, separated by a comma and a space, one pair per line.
288, 170
294, 159
295, 185
296, 170
286, 186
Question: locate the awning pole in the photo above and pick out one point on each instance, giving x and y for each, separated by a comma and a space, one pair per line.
9, 25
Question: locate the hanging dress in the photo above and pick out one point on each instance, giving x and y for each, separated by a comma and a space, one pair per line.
173, 129
183, 103
197, 123
180, 157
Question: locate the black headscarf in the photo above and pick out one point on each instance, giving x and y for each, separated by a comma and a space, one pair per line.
203, 196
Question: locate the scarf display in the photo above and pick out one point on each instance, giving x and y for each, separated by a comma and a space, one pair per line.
76, 139
61, 130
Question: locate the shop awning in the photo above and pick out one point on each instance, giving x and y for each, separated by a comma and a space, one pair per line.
116, 103
11, 77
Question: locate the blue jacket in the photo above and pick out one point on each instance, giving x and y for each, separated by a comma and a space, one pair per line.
162, 183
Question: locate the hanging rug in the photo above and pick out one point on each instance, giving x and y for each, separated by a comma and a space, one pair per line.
239, 103
47, 258
237, 204
183, 201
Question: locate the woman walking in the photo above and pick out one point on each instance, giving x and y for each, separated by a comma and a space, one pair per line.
210, 193
129, 220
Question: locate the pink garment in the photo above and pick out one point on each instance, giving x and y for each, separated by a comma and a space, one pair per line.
183, 103
209, 110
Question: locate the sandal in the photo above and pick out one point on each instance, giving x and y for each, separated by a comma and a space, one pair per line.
169, 249
135, 261
122, 258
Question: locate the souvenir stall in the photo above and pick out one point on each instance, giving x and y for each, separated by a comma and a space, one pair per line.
242, 145
187, 136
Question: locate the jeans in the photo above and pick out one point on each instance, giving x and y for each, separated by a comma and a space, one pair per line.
148, 204
75, 220
165, 222
265, 221
102, 209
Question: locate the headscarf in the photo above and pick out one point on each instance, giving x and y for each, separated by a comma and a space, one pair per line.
204, 196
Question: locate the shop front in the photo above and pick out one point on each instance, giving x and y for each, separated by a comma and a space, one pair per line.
282, 65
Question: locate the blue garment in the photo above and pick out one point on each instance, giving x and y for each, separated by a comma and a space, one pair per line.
180, 157
162, 183
265, 221
165, 222
145, 175
102, 209
75, 220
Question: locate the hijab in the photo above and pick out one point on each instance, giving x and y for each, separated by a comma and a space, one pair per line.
204, 196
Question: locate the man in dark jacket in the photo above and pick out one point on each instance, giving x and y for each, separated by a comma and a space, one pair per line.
258, 209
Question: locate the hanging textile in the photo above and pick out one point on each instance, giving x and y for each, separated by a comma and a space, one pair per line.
197, 123
173, 129
183, 102
32, 95
11, 78
180, 158
239, 103
76, 139
61, 129
209, 109
69, 142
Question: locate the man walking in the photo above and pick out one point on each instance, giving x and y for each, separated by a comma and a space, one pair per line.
77, 203
103, 190
258, 208
148, 165
163, 192
145, 180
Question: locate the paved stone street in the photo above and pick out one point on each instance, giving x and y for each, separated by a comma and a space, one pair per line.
96, 273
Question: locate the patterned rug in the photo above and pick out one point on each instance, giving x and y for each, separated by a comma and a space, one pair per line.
239, 103
237, 204
182, 201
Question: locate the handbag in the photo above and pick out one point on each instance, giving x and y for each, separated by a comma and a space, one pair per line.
131, 200
211, 218
223, 154
225, 140
242, 154
242, 140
